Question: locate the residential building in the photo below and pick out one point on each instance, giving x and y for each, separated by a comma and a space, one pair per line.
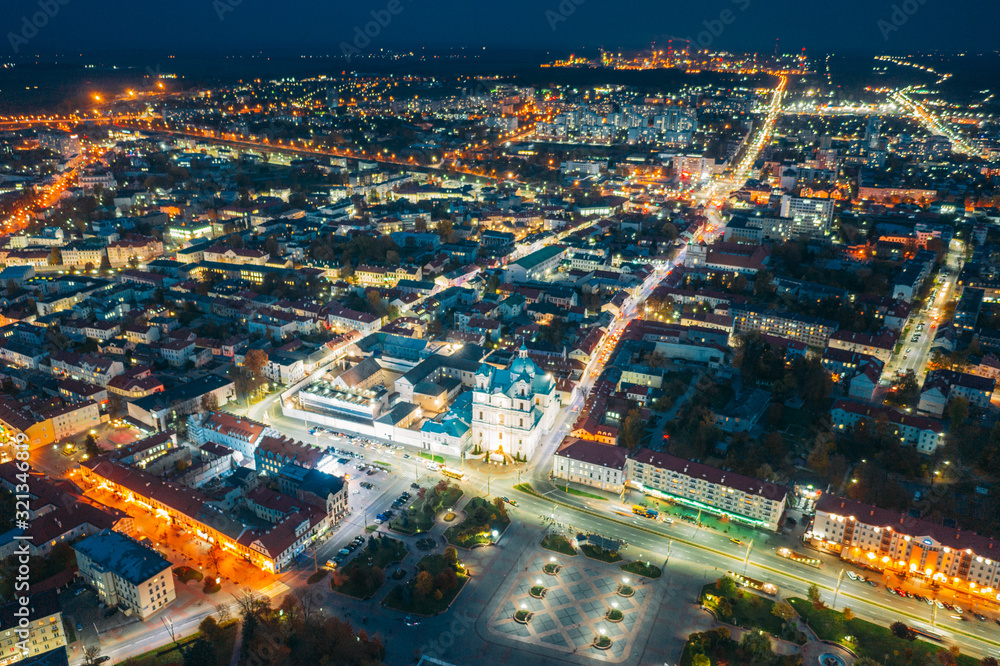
899, 544
125, 573
29, 636
924, 434
741, 498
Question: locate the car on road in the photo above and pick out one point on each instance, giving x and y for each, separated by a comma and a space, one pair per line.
415, 486
101, 660
852, 575
411, 621
79, 626
330, 564
344, 552
736, 541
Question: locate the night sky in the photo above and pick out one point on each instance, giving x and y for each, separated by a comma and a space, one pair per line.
321, 25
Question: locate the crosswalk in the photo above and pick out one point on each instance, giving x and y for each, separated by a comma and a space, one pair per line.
273, 590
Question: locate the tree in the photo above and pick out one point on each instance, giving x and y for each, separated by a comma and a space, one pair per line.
724, 608
700, 659
445, 230
209, 628
900, 630
90, 446
451, 557
199, 653
848, 614
423, 584
215, 555
209, 402
814, 596
755, 647
501, 506
726, 587
783, 610
91, 653
958, 411
632, 429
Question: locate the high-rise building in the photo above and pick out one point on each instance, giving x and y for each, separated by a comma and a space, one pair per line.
872, 128
812, 217
332, 97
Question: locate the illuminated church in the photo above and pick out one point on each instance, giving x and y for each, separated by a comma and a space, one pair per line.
513, 408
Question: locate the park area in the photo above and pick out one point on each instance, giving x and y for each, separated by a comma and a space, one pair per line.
363, 575
420, 516
715, 648
482, 519
750, 611
895, 646
438, 581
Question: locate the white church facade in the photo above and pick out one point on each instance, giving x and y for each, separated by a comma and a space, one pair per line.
513, 408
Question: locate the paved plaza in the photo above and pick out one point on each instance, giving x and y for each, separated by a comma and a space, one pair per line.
573, 610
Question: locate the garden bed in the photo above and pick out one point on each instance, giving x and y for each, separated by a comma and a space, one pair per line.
419, 517
482, 518
602, 554
435, 586
642, 569
364, 575
558, 544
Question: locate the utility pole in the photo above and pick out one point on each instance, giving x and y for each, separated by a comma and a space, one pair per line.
836, 590
488, 478
746, 562
670, 544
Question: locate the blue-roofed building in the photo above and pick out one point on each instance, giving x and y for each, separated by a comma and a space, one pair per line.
452, 432
125, 573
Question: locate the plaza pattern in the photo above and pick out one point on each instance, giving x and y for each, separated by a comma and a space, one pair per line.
572, 612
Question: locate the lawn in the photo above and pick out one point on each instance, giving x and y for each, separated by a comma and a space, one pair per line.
580, 493
363, 575
870, 640
642, 569
420, 516
187, 574
602, 554
169, 655
482, 518
750, 611
442, 585
428, 456
558, 543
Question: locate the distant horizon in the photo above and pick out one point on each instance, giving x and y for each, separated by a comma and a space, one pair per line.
897, 26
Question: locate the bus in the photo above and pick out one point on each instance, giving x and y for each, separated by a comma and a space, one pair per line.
799, 557
924, 633
753, 583
453, 473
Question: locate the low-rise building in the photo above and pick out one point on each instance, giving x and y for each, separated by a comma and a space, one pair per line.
125, 573
925, 434
899, 544
590, 463
741, 498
